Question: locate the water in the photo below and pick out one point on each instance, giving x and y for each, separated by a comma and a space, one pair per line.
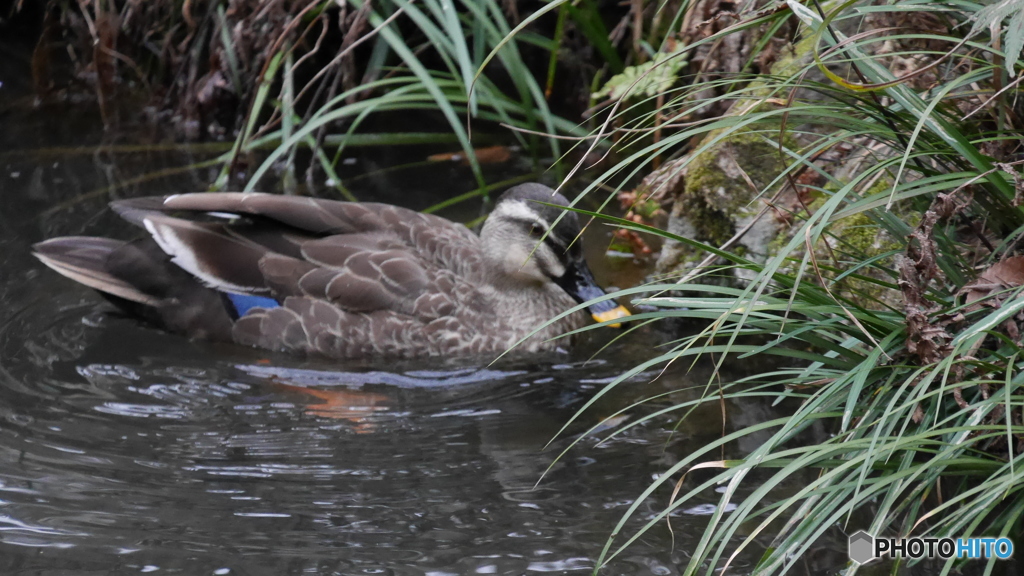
125, 450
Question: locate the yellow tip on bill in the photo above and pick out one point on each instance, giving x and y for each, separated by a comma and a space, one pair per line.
612, 314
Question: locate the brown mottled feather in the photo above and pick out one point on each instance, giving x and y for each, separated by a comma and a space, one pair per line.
83, 259
284, 273
246, 330
270, 235
335, 250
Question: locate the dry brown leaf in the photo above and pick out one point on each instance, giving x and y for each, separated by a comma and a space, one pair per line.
635, 242
489, 155
1008, 273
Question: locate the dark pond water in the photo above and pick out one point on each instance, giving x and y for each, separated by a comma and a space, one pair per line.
125, 450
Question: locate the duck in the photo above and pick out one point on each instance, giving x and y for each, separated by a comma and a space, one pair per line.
346, 280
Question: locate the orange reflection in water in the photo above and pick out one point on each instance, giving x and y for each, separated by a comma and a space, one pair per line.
355, 406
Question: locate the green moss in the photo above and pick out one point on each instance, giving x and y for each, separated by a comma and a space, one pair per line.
716, 198
854, 239
790, 63
716, 194
860, 236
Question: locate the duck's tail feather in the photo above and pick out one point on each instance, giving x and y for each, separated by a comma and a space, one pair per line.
135, 210
140, 279
84, 259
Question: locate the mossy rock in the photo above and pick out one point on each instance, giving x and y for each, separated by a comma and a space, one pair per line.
719, 192
717, 195
712, 198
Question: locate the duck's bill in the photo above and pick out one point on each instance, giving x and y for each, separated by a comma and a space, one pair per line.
614, 314
580, 284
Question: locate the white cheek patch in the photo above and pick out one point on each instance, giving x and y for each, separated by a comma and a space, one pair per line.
519, 263
521, 255
549, 261
539, 264
517, 257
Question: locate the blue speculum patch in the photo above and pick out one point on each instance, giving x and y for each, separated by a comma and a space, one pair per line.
245, 302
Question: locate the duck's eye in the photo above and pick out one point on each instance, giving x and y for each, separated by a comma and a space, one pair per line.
536, 231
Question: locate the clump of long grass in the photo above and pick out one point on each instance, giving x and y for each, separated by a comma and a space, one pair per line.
402, 74
909, 350
292, 75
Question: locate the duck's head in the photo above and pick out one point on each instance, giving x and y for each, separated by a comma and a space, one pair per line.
527, 240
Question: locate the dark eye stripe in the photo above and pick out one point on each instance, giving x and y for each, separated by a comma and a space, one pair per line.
550, 239
554, 244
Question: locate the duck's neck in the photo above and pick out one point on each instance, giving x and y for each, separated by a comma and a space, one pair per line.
525, 306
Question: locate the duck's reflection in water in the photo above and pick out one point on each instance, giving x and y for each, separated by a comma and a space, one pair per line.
342, 395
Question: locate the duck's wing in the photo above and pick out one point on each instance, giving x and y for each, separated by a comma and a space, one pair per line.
445, 243
358, 257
